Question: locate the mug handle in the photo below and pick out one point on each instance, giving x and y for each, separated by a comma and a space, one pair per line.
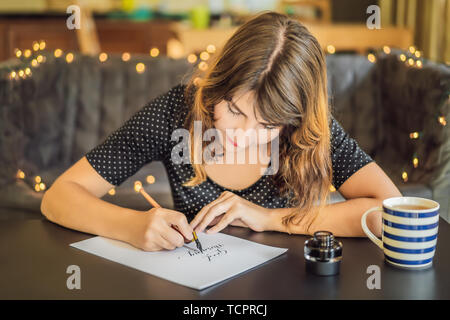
366, 230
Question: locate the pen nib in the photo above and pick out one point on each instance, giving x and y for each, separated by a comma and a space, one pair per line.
199, 246
197, 242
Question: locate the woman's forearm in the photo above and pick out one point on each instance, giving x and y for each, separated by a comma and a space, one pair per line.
343, 219
72, 206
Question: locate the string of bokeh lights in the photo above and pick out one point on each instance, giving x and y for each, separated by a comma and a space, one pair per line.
34, 57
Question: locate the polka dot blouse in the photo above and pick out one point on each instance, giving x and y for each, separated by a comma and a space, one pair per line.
146, 137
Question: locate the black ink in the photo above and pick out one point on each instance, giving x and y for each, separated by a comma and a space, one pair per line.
209, 253
216, 253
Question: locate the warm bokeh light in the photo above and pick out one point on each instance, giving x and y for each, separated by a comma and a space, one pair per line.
37, 179
37, 188
27, 53
58, 53
42, 45
137, 186
140, 67
211, 48
331, 49
103, 57
69, 57
154, 52
204, 55
411, 61
112, 191
402, 57
192, 58
28, 71
126, 56
371, 57
40, 58
203, 66
415, 162
150, 179
42, 186
197, 81
20, 174
404, 176
34, 63
35, 46
442, 121
414, 135
21, 73
18, 53
387, 50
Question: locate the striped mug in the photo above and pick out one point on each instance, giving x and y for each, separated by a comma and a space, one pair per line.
410, 228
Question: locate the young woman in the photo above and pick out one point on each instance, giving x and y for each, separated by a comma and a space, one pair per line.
270, 77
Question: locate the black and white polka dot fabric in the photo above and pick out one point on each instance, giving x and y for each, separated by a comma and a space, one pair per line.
346, 155
146, 137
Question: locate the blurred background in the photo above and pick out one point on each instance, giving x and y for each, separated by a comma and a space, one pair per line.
177, 28
63, 90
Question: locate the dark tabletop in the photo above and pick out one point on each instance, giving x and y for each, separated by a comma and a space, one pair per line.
35, 254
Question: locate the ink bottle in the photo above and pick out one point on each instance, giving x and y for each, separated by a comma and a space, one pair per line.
323, 254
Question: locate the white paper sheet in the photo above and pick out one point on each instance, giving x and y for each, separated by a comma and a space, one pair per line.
223, 256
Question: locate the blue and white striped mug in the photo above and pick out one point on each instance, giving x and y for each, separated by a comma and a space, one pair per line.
410, 229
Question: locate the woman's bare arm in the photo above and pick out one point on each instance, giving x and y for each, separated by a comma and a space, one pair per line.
366, 188
73, 201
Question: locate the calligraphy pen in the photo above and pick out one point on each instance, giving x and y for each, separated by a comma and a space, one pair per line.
138, 188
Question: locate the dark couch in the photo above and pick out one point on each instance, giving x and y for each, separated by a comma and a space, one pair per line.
51, 119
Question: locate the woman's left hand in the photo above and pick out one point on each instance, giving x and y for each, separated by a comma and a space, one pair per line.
235, 211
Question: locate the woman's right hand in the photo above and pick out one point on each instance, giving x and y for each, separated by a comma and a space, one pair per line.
153, 231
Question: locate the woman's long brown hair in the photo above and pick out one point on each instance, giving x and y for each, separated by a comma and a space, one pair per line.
278, 59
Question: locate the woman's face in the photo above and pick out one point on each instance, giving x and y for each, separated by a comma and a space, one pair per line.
238, 125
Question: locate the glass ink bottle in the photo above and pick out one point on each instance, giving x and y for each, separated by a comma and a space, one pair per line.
323, 254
